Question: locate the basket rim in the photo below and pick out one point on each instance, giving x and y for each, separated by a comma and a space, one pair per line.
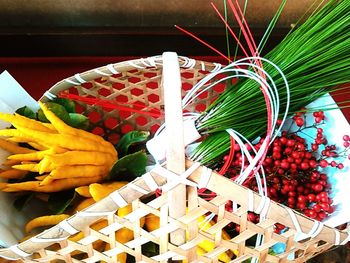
154, 62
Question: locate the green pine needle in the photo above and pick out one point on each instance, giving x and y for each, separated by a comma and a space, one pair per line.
315, 57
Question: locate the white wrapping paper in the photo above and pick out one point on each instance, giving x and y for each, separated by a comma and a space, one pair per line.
12, 97
334, 128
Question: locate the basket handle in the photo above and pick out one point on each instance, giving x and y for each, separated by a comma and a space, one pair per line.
175, 151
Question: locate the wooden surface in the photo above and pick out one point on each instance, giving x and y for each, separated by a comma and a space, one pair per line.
138, 13
128, 27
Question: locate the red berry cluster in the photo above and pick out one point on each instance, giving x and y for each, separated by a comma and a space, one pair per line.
295, 172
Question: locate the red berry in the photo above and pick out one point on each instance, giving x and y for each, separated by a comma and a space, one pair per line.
301, 199
276, 148
318, 119
290, 143
323, 163
323, 177
340, 166
294, 182
322, 215
318, 187
284, 164
346, 137
291, 200
276, 180
313, 163
311, 197
283, 140
238, 228
317, 208
304, 166
251, 217
288, 150
300, 189
312, 214
276, 155
325, 206
314, 147
299, 121
292, 193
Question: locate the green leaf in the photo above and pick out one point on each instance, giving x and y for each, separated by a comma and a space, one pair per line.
79, 121
130, 138
22, 201
69, 105
26, 112
58, 109
58, 202
129, 167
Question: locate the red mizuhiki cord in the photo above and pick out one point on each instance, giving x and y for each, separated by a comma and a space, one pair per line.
204, 43
229, 159
108, 104
253, 50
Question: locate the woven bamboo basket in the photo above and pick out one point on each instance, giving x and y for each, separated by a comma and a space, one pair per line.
147, 85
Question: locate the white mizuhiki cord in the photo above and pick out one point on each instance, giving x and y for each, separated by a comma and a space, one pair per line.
79, 78
101, 72
131, 63
49, 95
111, 68
242, 74
152, 61
294, 220
188, 62
72, 82
244, 152
274, 92
206, 221
146, 62
234, 73
187, 117
203, 66
216, 68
